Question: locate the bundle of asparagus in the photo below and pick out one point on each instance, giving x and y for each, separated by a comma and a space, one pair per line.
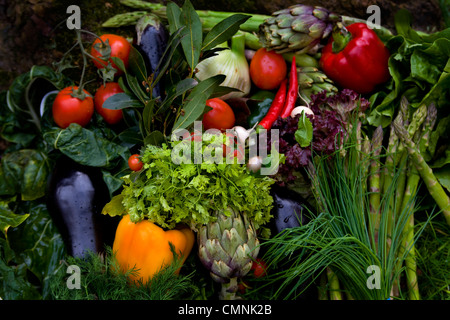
408, 141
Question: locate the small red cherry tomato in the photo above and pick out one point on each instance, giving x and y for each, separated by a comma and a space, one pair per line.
259, 268
135, 163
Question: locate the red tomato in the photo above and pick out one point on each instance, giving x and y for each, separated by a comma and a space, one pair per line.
135, 163
68, 109
120, 48
267, 69
259, 268
103, 93
221, 116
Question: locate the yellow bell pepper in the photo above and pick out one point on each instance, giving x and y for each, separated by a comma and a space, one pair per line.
145, 246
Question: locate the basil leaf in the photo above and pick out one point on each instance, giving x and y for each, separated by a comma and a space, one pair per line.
304, 133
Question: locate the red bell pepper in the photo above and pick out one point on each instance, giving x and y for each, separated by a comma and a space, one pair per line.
355, 58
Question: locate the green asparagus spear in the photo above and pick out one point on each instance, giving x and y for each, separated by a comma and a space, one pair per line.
410, 190
426, 173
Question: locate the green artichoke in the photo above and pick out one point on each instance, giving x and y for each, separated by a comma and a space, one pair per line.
227, 248
299, 28
313, 81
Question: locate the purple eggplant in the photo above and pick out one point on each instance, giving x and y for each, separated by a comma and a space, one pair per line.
76, 195
290, 209
151, 42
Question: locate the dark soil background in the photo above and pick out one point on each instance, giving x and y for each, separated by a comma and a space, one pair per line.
33, 32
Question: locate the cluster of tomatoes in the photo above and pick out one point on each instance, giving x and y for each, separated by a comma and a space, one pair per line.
76, 105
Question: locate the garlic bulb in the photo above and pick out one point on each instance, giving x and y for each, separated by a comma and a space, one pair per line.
254, 164
231, 63
241, 133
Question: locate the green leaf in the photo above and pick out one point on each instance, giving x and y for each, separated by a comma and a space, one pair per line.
114, 207
130, 136
147, 115
223, 31
119, 63
10, 219
443, 176
222, 90
136, 65
442, 129
304, 133
176, 91
38, 245
192, 34
27, 90
85, 146
114, 181
24, 172
196, 104
154, 138
173, 12
122, 100
172, 45
136, 88
403, 22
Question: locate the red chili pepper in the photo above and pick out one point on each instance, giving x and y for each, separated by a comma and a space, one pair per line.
276, 107
292, 91
355, 58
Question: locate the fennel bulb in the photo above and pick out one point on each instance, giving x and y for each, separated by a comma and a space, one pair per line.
231, 63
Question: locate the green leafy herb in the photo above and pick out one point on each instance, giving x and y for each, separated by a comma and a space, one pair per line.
100, 279
168, 193
304, 133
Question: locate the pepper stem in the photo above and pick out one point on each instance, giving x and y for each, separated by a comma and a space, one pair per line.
341, 37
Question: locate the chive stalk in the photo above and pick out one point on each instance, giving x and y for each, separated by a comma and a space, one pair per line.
374, 181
